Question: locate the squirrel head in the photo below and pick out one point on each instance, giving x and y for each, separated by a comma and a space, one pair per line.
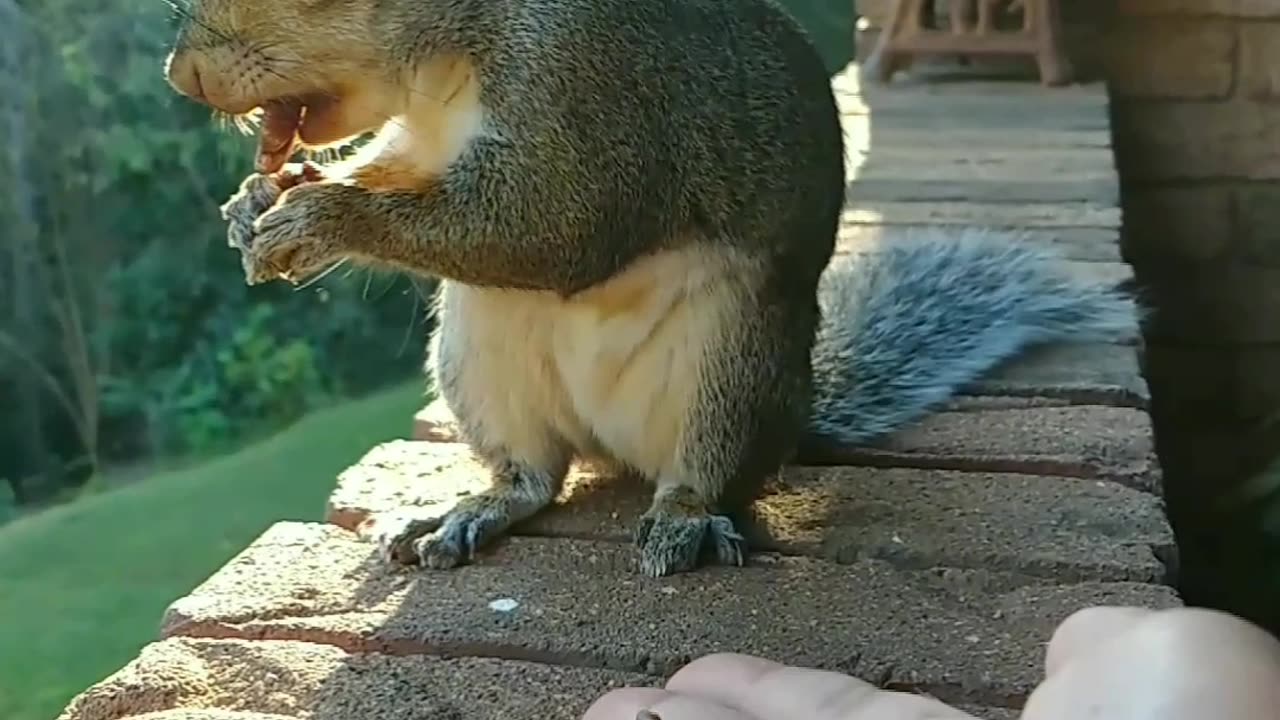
320, 56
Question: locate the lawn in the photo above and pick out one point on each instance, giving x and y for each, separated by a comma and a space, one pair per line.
83, 586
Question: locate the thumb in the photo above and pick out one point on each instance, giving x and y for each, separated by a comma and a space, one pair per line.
1085, 631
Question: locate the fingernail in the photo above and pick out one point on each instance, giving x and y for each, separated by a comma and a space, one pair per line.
647, 715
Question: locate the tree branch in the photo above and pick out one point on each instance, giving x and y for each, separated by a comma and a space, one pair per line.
51, 383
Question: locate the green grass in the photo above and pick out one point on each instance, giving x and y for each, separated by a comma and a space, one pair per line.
83, 586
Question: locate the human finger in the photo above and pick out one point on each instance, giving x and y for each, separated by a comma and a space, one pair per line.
1086, 630
772, 691
627, 703
1182, 664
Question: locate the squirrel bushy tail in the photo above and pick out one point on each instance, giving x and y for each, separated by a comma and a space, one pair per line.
908, 324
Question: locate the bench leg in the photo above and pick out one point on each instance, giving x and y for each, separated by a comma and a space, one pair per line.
886, 59
1055, 68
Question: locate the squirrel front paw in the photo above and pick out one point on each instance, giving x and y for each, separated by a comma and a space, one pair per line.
673, 534
440, 538
256, 194
311, 226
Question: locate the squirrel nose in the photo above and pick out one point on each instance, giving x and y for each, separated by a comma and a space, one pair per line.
183, 74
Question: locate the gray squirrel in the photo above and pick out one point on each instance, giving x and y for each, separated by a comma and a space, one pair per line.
632, 209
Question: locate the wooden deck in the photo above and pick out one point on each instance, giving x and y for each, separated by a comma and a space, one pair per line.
938, 562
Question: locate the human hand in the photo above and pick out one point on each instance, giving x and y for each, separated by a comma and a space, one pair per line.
1134, 664
740, 687
1102, 663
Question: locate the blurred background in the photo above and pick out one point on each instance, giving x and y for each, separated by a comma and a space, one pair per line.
156, 414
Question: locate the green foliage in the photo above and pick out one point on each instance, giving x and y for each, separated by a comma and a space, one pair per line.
129, 177
254, 379
8, 505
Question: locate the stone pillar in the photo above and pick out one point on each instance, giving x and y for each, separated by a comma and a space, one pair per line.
1195, 90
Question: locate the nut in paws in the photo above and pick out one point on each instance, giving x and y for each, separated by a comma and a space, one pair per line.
310, 228
255, 196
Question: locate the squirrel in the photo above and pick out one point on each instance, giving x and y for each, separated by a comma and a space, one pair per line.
631, 208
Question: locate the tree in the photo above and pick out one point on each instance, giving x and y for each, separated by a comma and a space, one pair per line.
126, 328
34, 296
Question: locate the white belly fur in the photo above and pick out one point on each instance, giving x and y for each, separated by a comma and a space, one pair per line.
612, 370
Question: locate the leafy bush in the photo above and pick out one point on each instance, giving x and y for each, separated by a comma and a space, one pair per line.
133, 321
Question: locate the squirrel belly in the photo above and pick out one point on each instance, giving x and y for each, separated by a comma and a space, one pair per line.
610, 373
907, 325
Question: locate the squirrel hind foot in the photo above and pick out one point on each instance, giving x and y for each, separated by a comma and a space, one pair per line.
678, 532
471, 525
443, 537
396, 532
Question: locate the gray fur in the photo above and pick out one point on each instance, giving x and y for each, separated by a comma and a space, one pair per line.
616, 131
908, 324
618, 128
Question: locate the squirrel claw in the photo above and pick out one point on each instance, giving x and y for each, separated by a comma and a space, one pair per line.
396, 532
670, 543
256, 194
470, 525
437, 538
308, 229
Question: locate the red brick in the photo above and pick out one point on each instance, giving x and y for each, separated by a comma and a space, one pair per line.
1049, 527
965, 636
1094, 245
1085, 441
1005, 175
206, 679
1158, 141
1191, 59
1082, 374
1260, 60
1178, 223
1200, 8
1257, 236
1079, 441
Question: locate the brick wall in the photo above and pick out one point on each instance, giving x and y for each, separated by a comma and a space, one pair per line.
1196, 116
1196, 95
